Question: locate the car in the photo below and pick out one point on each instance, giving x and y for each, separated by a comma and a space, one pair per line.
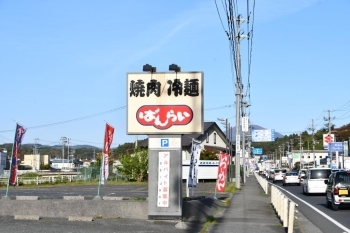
270, 174
302, 173
313, 180
291, 178
338, 189
278, 175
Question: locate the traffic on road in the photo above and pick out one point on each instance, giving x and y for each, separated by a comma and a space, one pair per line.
317, 206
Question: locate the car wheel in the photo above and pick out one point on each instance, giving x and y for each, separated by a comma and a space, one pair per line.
274, 181
329, 204
298, 184
284, 184
335, 207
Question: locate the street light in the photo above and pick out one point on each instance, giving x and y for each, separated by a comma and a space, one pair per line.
149, 68
175, 68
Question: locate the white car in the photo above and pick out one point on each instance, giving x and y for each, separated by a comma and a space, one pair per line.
291, 178
278, 175
314, 180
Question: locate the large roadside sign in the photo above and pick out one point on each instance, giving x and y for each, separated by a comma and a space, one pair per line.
265, 135
165, 103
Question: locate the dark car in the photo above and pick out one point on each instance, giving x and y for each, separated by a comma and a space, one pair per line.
338, 189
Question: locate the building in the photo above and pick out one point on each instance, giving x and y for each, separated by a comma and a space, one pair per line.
3, 158
62, 164
35, 161
213, 138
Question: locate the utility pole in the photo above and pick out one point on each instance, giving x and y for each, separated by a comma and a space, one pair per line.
64, 140
301, 153
68, 140
312, 129
329, 120
239, 91
244, 106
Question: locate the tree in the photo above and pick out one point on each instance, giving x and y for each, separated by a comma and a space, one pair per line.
134, 166
209, 155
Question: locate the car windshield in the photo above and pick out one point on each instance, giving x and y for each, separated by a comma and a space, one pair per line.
320, 174
291, 174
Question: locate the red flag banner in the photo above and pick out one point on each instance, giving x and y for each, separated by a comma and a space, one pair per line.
20, 131
109, 133
222, 172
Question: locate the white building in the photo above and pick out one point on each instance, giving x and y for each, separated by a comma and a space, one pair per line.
62, 164
35, 161
3, 157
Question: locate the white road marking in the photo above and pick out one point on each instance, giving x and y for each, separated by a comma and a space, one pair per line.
317, 210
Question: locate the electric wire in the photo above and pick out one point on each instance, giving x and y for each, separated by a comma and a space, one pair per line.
69, 121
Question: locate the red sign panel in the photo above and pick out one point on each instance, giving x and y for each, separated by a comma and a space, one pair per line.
164, 116
222, 172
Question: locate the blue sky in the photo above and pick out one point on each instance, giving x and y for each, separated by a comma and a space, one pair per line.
63, 64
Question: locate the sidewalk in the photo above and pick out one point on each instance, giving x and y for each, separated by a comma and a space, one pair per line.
250, 211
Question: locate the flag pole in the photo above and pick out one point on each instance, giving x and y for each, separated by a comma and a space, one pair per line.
101, 168
9, 173
216, 183
100, 176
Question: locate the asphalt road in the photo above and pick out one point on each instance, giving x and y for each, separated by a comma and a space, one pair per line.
315, 209
90, 191
10, 225
57, 225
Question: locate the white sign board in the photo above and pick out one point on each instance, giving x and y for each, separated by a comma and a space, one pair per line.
165, 103
265, 135
245, 124
163, 179
327, 138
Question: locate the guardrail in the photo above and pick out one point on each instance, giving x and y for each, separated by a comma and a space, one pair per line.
263, 182
42, 180
284, 207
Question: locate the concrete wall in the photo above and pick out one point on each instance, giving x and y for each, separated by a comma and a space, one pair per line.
65, 208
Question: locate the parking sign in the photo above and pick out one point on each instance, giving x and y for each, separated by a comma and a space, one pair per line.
164, 142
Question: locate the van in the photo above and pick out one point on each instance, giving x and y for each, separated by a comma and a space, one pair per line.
313, 180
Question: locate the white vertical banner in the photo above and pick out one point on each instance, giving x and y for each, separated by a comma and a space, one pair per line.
163, 179
245, 124
345, 148
194, 164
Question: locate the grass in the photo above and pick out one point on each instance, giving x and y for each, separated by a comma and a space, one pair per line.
210, 221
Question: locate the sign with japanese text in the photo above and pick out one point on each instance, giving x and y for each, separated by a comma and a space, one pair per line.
163, 179
335, 146
257, 151
245, 124
165, 103
194, 164
263, 135
222, 172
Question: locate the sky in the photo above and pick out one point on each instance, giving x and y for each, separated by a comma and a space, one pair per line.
63, 64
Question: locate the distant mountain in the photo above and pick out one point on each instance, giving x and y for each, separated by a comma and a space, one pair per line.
60, 146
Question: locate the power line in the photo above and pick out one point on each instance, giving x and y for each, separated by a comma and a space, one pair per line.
68, 121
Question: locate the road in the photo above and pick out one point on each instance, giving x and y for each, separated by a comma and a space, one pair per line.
90, 191
10, 225
315, 209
